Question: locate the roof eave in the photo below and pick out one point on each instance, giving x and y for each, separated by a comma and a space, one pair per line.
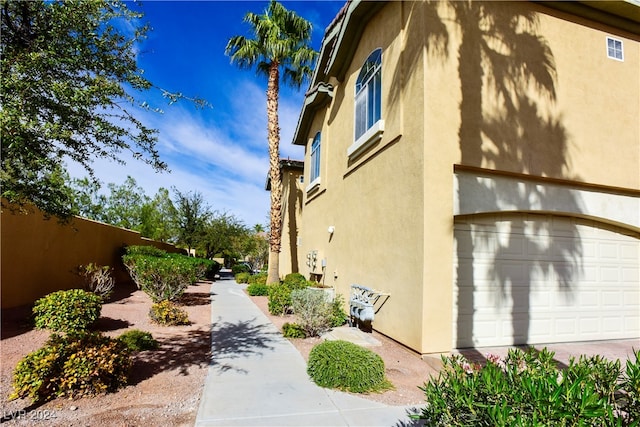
624, 14
318, 96
356, 18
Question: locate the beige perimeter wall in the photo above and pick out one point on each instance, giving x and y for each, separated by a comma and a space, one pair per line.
40, 256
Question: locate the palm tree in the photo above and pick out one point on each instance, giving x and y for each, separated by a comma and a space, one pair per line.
281, 42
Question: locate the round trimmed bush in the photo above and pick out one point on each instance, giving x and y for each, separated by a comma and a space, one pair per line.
295, 281
257, 289
169, 314
242, 277
293, 330
240, 268
137, 340
67, 311
258, 279
347, 366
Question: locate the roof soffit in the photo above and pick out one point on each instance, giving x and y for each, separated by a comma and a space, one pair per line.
623, 14
317, 97
350, 30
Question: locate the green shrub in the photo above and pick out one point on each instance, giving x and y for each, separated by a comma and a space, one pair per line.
242, 277
279, 299
528, 389
293, 330
137, 340
280, 293
75, 365
169, 314
145, 250
160, 278
338, 315
258, 289
164, 276
259, 279
67, 311
240, 268
630, 388
295, 281
195, 269
312, 311
347, 366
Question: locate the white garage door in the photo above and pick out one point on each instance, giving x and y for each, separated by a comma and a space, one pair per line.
541, 279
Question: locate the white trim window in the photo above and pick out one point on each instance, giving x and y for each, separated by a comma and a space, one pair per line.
368, 97
614, 49
315, 158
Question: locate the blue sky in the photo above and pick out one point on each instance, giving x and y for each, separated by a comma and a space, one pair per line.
221, 151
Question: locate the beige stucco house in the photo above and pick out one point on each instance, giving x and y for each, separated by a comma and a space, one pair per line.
480, 163
292, 176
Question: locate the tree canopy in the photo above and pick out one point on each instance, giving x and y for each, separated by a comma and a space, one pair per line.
186, 220
70, 82
281, 38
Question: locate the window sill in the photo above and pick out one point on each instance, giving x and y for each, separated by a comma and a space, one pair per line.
370, 137
314, 185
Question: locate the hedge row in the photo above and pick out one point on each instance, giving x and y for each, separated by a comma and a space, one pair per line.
164, 276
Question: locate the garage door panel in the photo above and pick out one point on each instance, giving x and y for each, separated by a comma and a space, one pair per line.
570, 282
540, 298
630, 253
630, 274
541, 329
608, 250
610, 274
588, 299
590, 325
565, 327
632, 323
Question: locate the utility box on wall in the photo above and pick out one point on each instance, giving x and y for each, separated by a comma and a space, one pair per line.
315, 262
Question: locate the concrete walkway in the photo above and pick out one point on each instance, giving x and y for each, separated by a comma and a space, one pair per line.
258, 378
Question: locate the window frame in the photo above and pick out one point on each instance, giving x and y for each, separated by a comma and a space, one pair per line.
314, 161
368, 94
612, 52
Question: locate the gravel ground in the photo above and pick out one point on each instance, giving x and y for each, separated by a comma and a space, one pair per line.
165, 384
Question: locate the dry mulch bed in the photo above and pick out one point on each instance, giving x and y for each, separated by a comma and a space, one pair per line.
165, 384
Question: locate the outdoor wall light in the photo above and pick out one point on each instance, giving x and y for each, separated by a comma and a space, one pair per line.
331, 229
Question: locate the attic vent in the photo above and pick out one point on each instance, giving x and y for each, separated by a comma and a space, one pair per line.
614, 49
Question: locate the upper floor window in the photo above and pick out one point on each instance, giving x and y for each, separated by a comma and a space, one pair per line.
315, 158
368, 94
614, 49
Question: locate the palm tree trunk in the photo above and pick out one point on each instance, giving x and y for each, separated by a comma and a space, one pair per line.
273, 135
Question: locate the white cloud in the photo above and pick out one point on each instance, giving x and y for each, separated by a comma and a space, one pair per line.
222, 161
219, 152
191, 141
